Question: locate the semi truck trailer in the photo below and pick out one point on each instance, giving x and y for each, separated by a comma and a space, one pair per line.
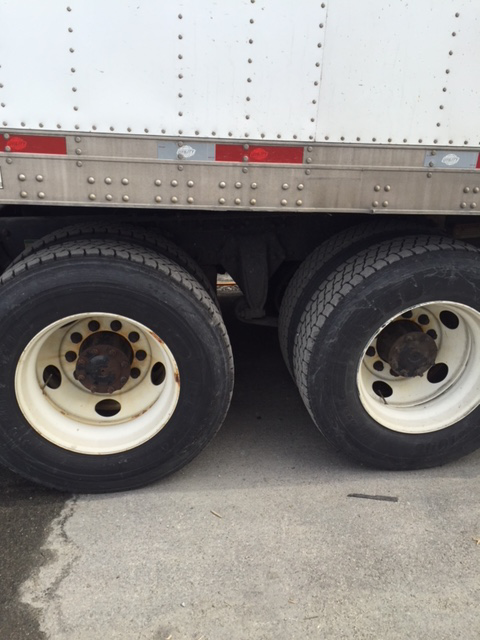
326, 155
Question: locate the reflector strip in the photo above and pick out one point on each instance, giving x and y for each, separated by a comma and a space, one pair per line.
478, 161
273, 154
51, 145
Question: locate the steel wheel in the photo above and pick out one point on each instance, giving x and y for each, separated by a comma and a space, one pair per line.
97, 383
419, 373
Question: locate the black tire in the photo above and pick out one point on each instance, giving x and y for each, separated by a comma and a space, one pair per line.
324, 259
125, 232
116, 278
351, 305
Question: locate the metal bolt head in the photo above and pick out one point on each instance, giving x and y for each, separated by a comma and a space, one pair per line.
284, 203
125, 181
125, 198
254, 185
387, 187
377, 187
238, 201
23, 194
22, 177
466, 190
190, 200
39, 178
476, 189
385, 203
174, 183
309, 161
91, 180
158, 198
238, 185
221, 200
473, 205
109, 197
41, 195
174, 199
375, 204
222, 185
158, 183
285, 186
190, 183
92, 196
463, 205
300, 187
253, 201
299, 203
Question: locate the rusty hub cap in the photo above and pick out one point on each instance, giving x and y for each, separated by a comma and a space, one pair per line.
104, 362
408, 350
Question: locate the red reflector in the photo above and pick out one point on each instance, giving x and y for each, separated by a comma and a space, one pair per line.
478, 161
280, 155
35, 144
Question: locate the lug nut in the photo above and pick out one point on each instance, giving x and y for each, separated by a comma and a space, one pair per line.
123, 379
110, 390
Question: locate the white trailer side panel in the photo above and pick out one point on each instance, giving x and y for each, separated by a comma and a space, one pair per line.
384, 71
399, 71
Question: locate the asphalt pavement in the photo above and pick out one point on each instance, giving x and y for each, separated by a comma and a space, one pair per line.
258, 538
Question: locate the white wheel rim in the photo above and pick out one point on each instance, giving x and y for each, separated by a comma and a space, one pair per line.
439, 398
68, 415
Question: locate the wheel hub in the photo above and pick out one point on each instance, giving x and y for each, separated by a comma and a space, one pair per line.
408, 350
104, 362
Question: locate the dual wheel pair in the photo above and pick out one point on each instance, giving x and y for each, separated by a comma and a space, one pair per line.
115, 365
380, 328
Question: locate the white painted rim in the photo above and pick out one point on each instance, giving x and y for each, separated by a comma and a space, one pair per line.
68, 415
438, 398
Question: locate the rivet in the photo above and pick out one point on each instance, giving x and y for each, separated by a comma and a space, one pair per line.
79, 163
476, 189
71, 50
387, 187
279, 135
454, 34
74, 89
158, 198
450, 142
78, 152
238, 201
431, 164
377, 187
439, 124
9, 161
250, 41
249, 79
180, 75
230, 133
113, 129
245, 158
309, 160
7, 148
466, 190
92, 196
285, 186
174, 183
441, 107
190, 183
465, 142
91, 180
317, 64
435, 141
108, 181
180, 113
69, 8
180, 16
473, 205
252, 21
385, 203
254, 185
214, 133
309, 149
299, 203
222, 185
308, 172
447, 70
250, 61
125, 181
108, 197
197, 133
244, 170
429, 174
180, 37
22, 177
463, 205
72, 70
375, 204
23, 194
283, 203
221, 200
174, 199
389, 140
246, 147
78, 139
180, 167
125, 198
94, 127
6, 136
253, 201
59, 126
238, 185
190, 200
